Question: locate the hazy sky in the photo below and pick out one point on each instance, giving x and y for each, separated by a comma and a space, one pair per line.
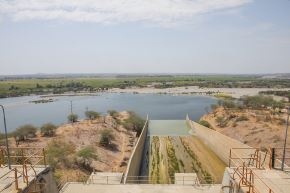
129, 36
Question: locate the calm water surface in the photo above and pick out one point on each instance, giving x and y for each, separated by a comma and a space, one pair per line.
20, 111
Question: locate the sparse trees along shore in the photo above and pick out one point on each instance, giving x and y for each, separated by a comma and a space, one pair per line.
23, 87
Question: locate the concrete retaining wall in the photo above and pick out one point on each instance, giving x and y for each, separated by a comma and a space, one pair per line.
220, 144
135, 161
44, 183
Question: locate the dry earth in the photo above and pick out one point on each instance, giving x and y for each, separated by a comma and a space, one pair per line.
258, 128
87, 133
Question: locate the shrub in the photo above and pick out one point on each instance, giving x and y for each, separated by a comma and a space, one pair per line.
106, 137
221, 121
242, 118
59, 154
214, 106
72, 117
205, 123
24, 132
86, 156
113, 113
134, 123
261, 101
48, 130
92, 115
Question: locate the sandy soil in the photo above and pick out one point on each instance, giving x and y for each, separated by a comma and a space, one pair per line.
234, 92
262, 128
87, 133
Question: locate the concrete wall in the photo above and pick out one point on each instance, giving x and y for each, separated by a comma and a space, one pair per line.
44, 183
135, 161
220, 144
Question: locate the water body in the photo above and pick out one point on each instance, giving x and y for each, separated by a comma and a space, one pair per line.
20, 111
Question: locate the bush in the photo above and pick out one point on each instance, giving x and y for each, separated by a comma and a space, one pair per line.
113, 113
72, 117
48, 130
221, 121
214, 106
92, 115
242, 118
261, 101
86, 156
24, 132
205, 123
134, 123
106, 137
60, 154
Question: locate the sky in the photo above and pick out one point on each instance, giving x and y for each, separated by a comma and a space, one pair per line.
144, 36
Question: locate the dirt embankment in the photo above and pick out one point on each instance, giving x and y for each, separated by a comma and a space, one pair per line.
88, 133
256, 128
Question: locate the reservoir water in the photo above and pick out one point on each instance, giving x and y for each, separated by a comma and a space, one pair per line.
20, 110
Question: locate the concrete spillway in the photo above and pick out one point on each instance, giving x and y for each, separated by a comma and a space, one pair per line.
171, 148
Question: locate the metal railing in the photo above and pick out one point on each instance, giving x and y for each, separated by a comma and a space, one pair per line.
276, 157
117, 180
244, 167
25, 158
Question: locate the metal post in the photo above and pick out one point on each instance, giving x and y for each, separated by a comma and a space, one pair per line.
285, 140
71, 108
6, 136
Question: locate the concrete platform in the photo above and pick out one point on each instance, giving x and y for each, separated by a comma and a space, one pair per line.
264, 180
186, 178
92, 188
277, 180
105, 178
7, 177
168, 128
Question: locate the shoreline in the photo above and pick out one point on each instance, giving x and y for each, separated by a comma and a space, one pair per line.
234, 92
184, 90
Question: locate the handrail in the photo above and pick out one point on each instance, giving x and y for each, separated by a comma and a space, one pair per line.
246, 174
28, 162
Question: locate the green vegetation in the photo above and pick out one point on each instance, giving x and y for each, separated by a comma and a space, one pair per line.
85, 157
21, 87
113, 113
278, 93
72, 118
48, 130
221, 121
60, 154
24, 132
242, 118
106, 137
134, 123
202, 174
261, 101
253, 102
91, 115
173, 164
154, 170
205, 123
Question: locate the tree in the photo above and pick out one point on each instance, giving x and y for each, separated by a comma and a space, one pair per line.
106, 137
24, 132
48, 130
205, 123
113, 113
92, 115
134, 123
85, 157
72, 117
60, 154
